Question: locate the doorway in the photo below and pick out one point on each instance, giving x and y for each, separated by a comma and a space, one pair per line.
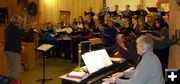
65, 16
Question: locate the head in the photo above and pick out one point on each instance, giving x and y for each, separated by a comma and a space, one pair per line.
158, 4
63, 23
141, 22
101, 9
116, 7
150, 17
67, 25
88, 18
95, 18
17, 20
134, 20
159, 23
49, 25
97, 24
139, 7
90, 9
120, 38
110, 23
58, 25
126, 22
106, 18
144, 44
166, 18
127, 7
80, 19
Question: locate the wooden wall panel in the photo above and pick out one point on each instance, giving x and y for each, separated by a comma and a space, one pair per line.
28, 55
49, 11
174, 17
17, 9
3, 60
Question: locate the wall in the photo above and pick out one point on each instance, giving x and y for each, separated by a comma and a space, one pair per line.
174, 16
17, 9
50, 9
122, 4
134, 3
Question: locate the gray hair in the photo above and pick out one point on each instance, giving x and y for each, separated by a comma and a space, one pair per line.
146, 42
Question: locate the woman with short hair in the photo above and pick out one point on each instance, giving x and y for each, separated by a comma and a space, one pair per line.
13, 35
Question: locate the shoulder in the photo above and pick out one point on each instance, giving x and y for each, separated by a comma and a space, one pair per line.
164, 29
150, 58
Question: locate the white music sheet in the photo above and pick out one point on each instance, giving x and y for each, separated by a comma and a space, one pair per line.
96, 60
45, 47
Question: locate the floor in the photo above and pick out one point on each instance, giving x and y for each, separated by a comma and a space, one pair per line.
54, 68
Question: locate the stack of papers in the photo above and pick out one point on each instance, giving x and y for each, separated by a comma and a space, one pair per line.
78, 75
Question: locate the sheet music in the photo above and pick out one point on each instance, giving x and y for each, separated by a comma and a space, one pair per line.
96, 60
45, 47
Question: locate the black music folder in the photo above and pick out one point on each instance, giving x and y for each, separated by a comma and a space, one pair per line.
113, 13
152, 9
164, 13
155, 33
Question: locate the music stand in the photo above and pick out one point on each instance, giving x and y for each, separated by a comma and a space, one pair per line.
44, 48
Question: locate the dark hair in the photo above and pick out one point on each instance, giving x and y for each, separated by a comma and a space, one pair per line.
160, 21
128, 5
116, 5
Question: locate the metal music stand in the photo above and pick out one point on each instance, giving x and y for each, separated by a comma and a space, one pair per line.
44, 48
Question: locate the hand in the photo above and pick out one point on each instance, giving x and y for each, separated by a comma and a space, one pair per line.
109, 80
118, 75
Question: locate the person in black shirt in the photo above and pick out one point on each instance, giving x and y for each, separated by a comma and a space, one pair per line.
128, 13
128, 49
91, 13
140, 11
109, 37
13, 35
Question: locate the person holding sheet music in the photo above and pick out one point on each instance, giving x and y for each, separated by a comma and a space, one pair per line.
161, 46
160, 9
47, 35
90, 13
48, 32
80, 22
140, 11
127, 28
67, 41
12, 48
109, 36
128, 49
128, 13
116, 11
150, 19
135, 24
101, 15
141, 26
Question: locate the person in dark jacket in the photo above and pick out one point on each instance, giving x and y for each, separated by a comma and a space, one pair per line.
13, 36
